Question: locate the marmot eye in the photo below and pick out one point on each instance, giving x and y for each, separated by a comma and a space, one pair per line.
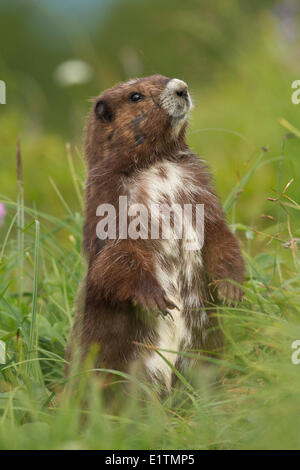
134, 97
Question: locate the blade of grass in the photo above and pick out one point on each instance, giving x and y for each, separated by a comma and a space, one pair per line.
74, 176
239, 188
60, 196
284, 123
33, 326
20, 214
7, 236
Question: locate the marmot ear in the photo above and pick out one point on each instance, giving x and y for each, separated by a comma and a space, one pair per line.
103, 111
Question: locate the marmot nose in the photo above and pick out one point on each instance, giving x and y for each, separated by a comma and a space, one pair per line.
175, 98
179, 87
181, 93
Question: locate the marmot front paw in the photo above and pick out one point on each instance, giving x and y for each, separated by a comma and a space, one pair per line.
228, 292
154, 299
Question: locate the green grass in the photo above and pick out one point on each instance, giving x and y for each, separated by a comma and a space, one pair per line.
249, 399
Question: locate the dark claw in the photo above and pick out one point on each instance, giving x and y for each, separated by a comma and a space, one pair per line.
165, 313
161, 313
170, 315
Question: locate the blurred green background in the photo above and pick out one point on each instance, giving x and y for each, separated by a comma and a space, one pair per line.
238, 57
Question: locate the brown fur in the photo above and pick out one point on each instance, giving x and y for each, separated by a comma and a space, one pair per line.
121, 288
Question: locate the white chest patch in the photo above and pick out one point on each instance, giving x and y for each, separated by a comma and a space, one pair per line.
165, 181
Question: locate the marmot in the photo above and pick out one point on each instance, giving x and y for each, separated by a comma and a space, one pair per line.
143, 291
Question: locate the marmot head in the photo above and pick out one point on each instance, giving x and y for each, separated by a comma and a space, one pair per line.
136, 120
